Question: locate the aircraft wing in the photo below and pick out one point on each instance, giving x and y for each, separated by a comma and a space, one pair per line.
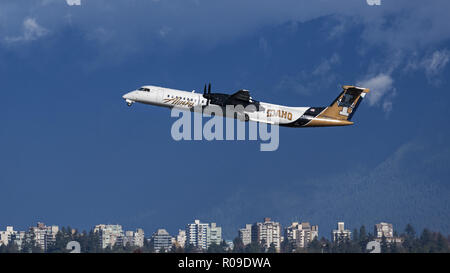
241, 95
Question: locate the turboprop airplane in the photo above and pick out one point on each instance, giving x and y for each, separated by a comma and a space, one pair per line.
339, 113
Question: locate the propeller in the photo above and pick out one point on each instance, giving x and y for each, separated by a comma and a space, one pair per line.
207, 95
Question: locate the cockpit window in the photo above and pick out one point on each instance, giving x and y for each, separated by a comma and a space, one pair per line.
144, 89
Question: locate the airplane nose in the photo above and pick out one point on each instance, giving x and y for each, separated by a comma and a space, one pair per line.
126, 96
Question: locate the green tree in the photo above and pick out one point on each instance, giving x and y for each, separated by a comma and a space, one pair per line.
92, 243
286, 247
393, 247
177, 249
410, 232
355, 236
410, 242
363, 238
315, 246
238, 245
128, 248
192, 249
10, 248
384, 245
215, 248
148, 247
426, 242
60, 243
254, 247
162, 250
441, 244
272, 248
29, 244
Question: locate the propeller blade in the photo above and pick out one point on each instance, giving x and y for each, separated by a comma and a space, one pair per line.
204, 90
209, 94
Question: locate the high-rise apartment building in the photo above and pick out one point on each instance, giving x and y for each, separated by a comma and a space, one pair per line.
245, 234
110, 235
134, 238
161, 240
267, 233
299, 235
44, 235
386, 230
215, 234
202, 235
181, 238
341, 234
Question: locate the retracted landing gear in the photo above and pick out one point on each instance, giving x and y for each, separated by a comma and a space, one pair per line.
129, 102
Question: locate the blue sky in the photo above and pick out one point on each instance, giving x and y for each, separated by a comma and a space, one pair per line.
72, 152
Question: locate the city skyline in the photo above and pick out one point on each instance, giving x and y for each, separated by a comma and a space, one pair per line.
380, 228
266, 236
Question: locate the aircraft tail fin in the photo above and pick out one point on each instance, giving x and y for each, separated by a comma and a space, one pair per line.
345, 105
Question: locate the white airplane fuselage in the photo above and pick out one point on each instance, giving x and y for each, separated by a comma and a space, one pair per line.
172, 98
266, 112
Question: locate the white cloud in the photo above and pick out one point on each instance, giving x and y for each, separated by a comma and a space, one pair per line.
326, 65
73, 2
387, 106
31, 31
306, 82
100, 35
435, 63
264, 46
381, 87
432, 64
403, 24
164, 31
